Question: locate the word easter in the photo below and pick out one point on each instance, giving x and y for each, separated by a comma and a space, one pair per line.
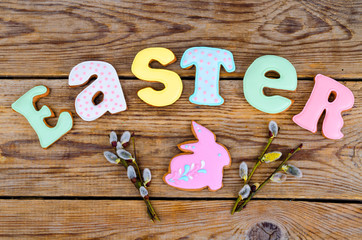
207, 62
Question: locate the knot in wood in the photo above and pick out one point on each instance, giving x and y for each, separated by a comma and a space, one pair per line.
265, 231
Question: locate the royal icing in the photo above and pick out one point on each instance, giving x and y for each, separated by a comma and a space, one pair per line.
318, 102
107, 82
204, 167
207, 61
171, 80
47, 135
255, 81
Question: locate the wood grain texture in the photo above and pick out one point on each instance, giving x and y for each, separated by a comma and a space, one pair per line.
75, 166
71, 192
76, 219
49, 38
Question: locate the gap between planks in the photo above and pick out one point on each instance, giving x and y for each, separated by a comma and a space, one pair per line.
317, 200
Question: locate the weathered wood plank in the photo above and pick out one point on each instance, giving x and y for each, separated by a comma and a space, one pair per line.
74, 166
49, 38
77, 219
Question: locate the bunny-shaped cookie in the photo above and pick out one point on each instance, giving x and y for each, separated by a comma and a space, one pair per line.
204, 167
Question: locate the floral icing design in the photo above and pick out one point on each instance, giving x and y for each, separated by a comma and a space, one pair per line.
189, 172
202, 163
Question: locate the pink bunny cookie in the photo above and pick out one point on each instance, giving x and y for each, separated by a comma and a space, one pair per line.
107, 82
203, 168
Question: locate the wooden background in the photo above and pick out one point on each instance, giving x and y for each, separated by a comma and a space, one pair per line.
70, 191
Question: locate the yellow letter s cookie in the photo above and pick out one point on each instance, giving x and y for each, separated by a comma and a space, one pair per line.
172, 81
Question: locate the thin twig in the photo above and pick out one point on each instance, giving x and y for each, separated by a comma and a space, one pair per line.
133, 138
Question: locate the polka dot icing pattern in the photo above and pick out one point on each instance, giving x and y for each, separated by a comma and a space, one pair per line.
107, 82
204, 167
207, 61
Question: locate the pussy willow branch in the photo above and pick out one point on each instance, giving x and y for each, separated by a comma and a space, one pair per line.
290, 154
256, 165
151, 211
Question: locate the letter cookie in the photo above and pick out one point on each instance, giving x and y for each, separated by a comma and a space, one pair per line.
318, 102
255, 81
173, 84
47, 135
107, 82
204, 167
207, 61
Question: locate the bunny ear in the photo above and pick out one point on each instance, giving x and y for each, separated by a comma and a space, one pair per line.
202, 133
187, 147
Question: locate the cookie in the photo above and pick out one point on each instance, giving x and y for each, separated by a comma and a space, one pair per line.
106, 83
47, 135
202, 165
318, 102
207, 62
255, 81
171, 80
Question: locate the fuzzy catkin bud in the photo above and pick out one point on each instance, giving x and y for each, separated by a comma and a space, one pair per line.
243, 171
244, 192
113, 138
126, 136
143, 192
292, 170
147, 176
273, 129
131, 173
111, 157
278, 177
124, 154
